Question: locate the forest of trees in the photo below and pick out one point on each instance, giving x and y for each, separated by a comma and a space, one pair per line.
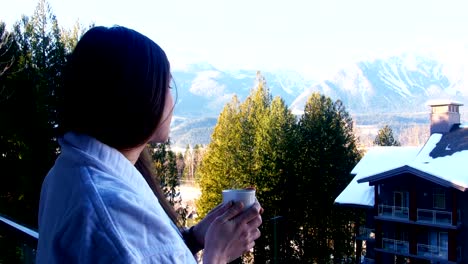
298, 166
32, 57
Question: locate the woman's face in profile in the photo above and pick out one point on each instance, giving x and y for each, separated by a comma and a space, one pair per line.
162, 131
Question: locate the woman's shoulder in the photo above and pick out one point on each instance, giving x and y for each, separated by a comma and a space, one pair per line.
138, 219
123, 215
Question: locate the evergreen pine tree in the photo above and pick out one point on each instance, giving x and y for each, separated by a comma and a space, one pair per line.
197, 156
188, 161
385, 137
7, 58
220, 169
249, 147
326, 154
165, 169
29, 108
180, 165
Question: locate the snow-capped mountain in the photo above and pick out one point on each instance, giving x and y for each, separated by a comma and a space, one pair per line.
396, 85
202, 90
399, 84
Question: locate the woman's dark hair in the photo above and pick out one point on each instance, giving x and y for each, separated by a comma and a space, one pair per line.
115, 87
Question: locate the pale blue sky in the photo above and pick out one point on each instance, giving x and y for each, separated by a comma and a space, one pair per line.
315, 37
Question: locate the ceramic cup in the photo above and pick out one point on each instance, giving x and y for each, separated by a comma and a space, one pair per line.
246, 196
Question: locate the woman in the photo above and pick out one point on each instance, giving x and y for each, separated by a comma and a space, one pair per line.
99, 202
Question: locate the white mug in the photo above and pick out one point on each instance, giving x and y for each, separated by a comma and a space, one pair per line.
246, 196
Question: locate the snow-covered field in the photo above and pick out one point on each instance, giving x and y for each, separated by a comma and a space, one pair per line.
189, 193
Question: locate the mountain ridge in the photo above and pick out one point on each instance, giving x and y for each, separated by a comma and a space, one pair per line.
398, 85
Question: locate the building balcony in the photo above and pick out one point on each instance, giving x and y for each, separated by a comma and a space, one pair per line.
433, 251
393, 211
434, 217
428, 217
437, 217
395, 246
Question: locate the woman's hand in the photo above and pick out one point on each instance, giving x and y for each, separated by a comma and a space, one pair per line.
199, 230
232, 233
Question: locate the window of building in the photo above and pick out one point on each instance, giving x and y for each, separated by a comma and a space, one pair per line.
442, 109
400, 199
443, 240
439, 198
438, 242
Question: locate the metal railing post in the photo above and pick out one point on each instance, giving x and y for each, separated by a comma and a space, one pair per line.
275, 238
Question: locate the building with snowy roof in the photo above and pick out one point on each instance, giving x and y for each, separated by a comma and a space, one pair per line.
416, 198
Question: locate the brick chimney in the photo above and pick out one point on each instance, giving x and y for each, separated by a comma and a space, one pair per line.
444, 115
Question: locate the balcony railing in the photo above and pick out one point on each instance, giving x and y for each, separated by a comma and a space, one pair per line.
397, 246
434, 217
432, 251
366, 233
17, 243
393, 211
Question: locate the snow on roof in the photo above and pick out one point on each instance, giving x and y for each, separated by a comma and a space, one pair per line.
357, 194
447, 168
380, 159
376, 160
437, 102
443, 156
452, 168
424, 154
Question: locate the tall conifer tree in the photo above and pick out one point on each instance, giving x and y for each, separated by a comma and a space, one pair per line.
29, 109
249, 146
220, 167
385, 137
326, 154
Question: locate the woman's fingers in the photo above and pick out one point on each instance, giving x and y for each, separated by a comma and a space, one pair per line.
261, 208
220, 206
232, 212
257, 221
250, 246
257, 234
250, 214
